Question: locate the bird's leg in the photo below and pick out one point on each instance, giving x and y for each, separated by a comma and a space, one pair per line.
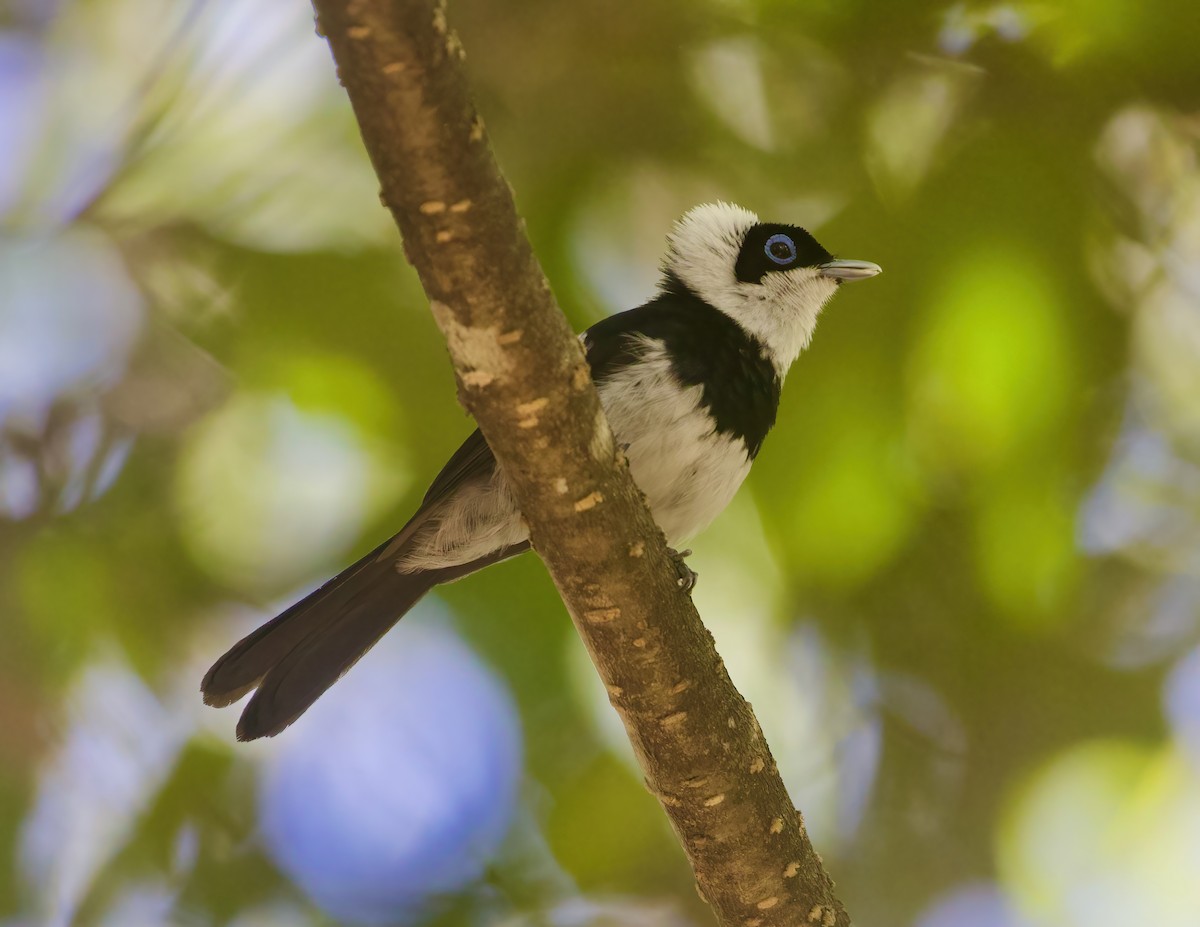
685, 576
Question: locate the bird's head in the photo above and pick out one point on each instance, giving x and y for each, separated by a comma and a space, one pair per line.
771, 279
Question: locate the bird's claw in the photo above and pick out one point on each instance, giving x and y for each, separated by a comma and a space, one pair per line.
685, 576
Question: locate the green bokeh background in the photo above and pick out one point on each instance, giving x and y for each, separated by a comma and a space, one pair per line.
952, 519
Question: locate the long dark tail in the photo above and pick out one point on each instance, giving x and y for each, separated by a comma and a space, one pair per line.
296, 656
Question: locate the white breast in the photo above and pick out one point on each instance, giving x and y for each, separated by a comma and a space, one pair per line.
688, 472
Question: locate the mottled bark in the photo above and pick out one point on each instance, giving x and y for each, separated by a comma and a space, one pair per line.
522, 374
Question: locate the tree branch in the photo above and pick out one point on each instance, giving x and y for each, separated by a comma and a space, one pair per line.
522, 374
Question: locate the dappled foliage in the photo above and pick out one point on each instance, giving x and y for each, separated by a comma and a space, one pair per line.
961, 588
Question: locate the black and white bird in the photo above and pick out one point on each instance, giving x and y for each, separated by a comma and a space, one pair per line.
690, 384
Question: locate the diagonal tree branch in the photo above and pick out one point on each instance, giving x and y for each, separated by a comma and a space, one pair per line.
522, 374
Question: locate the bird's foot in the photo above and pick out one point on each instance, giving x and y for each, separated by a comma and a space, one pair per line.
685, 576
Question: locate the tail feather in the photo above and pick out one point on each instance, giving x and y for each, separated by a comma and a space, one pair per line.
296, 656
325, 654
249, 660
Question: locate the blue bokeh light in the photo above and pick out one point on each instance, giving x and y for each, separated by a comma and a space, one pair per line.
978, 904
69, 317
119, 746
22, 113
1181, 695
399, 785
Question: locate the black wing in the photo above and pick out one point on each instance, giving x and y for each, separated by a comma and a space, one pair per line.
610, 345
472, 461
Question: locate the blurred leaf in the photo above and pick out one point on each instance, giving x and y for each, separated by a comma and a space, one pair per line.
909, 125
614, 810
68, 596
992, 369
1076, 29
835, 484
728, 76
170, 383
206, 327
230, 86
1025, 548
334, 385
1106, 832
267, 492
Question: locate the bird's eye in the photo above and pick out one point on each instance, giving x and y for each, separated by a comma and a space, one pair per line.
781, 249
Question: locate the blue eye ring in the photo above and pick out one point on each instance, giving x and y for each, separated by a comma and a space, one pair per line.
780, 249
